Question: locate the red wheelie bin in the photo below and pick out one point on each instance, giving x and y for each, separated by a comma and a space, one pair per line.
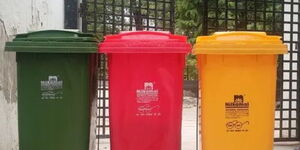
145, 89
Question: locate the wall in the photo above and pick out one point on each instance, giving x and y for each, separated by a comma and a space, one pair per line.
20, 16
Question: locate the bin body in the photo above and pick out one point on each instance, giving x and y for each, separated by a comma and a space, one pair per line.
54, 117
238, 101
146, 92
237, 92
54, 93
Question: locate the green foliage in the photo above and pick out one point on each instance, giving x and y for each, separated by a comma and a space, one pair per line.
189, 18
191, 72
189, 15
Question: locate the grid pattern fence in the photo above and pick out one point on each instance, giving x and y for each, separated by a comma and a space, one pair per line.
112, 16
287, 121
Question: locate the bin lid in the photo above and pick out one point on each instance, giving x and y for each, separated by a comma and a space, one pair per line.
145, 42
53, 41
239, 43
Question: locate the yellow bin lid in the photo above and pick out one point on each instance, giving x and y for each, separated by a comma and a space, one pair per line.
239, 43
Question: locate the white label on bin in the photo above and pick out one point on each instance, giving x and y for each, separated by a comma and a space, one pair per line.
52, 89
236, 114
148, 100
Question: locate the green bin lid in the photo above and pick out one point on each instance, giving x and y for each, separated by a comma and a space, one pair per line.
53, 41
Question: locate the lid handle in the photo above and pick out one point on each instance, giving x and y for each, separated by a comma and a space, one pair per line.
258, 34
145, 35
53, 33
243, 36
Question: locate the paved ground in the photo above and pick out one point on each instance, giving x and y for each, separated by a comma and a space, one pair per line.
189, 132
291, 147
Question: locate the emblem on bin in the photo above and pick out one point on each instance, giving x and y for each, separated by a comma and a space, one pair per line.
238, 102
238, 108
148, 86
148, 94
52, 88
238, 98
52, 84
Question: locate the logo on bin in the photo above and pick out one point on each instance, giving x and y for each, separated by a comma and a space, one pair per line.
237, 126
52, 88
239, 111
147, 108
148, 94
237, 103
148, 100
51, 84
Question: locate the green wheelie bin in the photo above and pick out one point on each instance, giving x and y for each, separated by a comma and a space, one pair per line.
55, 76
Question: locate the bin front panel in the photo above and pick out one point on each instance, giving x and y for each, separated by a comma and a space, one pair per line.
145, 101
238, 101
53, 101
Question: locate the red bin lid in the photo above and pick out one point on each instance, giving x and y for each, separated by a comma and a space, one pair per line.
145, 42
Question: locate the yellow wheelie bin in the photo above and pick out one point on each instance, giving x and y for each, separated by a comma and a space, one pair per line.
238, 89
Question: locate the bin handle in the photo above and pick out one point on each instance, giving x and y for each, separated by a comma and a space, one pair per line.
55, 32
261, 35
258, 34
155, 33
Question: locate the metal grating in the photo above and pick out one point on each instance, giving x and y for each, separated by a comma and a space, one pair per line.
287, 121
276, 17
102, 125
246, 15
112, 16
